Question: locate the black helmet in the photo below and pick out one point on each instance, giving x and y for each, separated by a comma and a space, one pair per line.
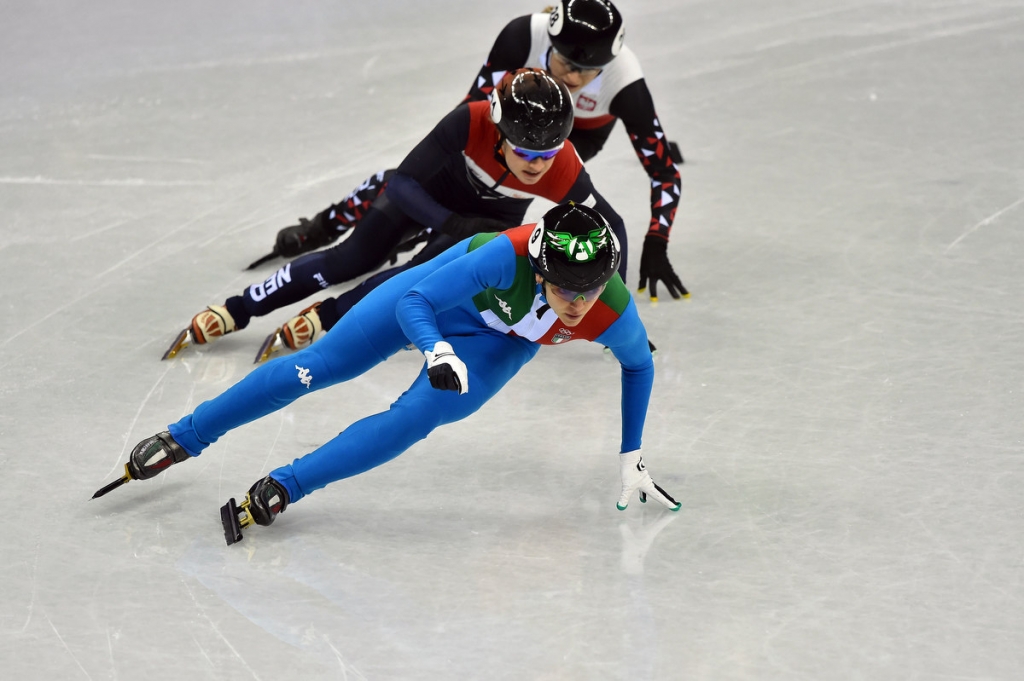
573, 248
532, 109
586, 32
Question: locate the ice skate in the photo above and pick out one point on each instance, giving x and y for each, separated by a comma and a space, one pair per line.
297, 333
213, 322
149, 458
264, 500
309, 235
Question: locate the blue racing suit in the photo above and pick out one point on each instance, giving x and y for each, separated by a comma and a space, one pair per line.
481, 297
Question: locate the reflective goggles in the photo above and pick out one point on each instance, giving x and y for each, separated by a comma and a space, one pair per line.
530, 154
572, 296
573, 67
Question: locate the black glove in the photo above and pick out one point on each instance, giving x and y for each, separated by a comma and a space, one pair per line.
306, 236
675, 154
406, 246
445, 370
654, 265
461, 228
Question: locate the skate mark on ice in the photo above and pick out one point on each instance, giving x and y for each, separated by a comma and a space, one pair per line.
220, 477
32, 597
107, 228
245, 62
987, 221
110, 649
146, 159
853, 56
127, 182
201, 648
933, 35
53, 313
64, 643
135, 419
273, 446
345, 668
202, 611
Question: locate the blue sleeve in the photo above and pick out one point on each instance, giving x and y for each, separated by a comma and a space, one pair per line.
454, 284
627, 339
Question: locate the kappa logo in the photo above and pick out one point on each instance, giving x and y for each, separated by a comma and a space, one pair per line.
585, 103
304, 376
505, 307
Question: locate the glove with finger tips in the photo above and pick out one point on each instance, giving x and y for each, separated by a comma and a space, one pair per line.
306, 236
654, 265
635, 478
445, 370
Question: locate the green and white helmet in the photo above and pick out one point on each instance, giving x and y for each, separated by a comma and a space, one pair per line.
573, 247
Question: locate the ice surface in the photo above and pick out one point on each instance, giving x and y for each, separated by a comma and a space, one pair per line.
838, 406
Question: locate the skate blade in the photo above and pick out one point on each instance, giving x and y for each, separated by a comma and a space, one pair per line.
268, 257
271, 344
183, 340
126, 478
229, 519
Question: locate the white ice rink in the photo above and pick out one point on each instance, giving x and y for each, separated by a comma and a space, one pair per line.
838, 406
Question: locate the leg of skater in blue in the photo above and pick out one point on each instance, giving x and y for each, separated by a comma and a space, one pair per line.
492, 359
364, 338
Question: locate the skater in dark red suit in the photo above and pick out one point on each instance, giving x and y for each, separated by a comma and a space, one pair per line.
478, 170
580, 42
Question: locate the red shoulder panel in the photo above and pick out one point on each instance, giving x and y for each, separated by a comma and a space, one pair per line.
484, 136
520, 238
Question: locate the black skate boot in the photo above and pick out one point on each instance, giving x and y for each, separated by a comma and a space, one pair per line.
149, 458
154, 455
264, 500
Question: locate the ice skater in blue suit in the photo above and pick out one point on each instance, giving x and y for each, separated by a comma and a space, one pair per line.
479, 312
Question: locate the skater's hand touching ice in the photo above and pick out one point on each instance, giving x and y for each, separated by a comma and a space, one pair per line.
445, 370
654, 266
635, 478
304, 237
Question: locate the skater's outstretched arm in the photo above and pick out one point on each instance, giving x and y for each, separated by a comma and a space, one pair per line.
510, 51
627, 339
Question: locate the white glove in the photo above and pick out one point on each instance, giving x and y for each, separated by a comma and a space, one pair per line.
445, 370
636, 478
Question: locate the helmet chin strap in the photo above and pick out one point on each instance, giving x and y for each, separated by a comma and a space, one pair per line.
499, 156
